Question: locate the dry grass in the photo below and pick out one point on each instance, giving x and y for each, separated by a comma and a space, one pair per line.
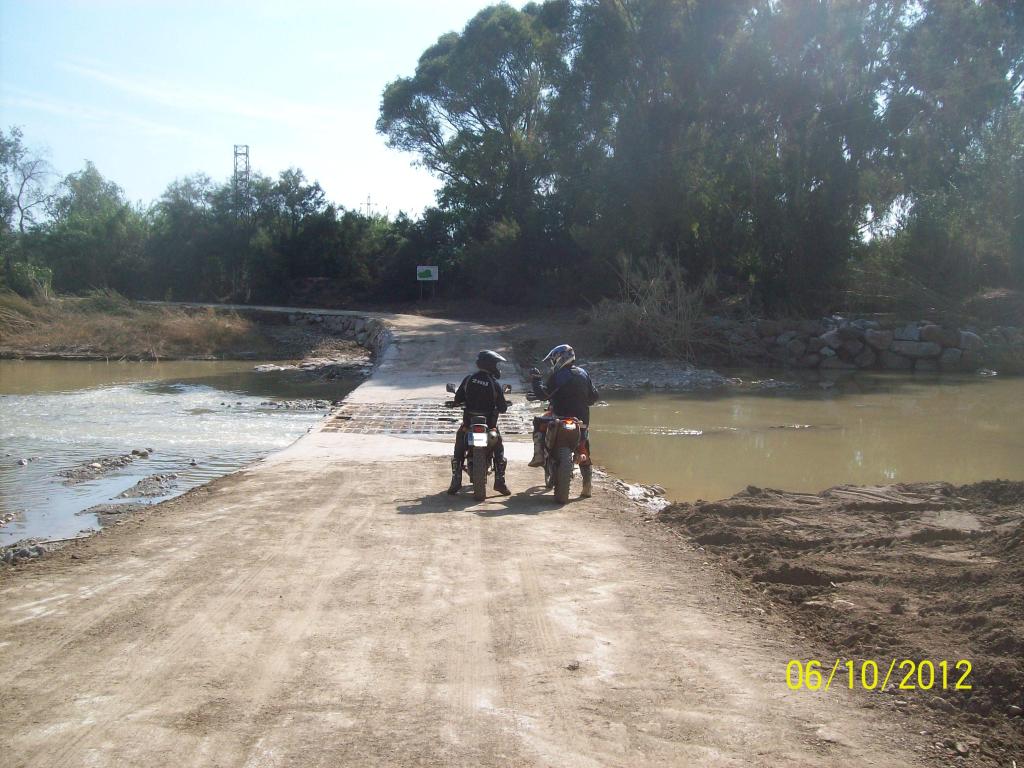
108, 325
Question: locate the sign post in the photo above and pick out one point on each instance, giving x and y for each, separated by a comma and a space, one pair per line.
426, 275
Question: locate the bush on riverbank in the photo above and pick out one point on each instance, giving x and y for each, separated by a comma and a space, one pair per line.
657, 314
105, 324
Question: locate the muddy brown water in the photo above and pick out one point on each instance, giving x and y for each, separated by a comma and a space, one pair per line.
864, 430
202, 419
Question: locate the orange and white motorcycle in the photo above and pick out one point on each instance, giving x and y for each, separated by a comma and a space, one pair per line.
565, 445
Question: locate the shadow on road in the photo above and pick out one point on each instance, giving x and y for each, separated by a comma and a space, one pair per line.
531, 501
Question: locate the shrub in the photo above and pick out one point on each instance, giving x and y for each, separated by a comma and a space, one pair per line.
657, 314
30, 280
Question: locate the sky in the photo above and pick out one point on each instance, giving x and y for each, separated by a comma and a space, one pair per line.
154, 90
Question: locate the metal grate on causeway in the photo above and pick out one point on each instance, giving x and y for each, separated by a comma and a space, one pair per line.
415, 419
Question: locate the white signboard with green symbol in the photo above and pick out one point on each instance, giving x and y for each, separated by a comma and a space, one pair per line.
426, 273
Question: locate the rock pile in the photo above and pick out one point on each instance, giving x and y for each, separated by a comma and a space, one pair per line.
368, 332
98, 467
639, 373
300, 405
852, 344
22, 551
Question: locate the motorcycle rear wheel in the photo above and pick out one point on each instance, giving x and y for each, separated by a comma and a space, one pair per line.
563, 475
479, 473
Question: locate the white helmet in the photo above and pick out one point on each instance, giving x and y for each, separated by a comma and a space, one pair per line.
560, 357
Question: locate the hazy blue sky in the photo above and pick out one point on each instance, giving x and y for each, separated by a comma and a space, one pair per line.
154, 90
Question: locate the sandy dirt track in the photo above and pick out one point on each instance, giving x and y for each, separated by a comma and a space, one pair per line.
333, 607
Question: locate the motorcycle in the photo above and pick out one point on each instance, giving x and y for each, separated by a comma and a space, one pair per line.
563, 448
480, 444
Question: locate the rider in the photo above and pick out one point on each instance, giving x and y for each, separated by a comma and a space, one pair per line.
481, 393
571, 393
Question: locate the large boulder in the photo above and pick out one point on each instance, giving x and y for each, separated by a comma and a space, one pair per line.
815, 343
809, 361
970, 341
786, 337
833, 339
917, 348
866, 325
796, 347
926, 365
866, 359
951, 359
894, 362
878, 339
853, 347
850, 333
946, 337
909, 332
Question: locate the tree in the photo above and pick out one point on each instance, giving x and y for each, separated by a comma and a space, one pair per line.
473, 112
24, 192
94, 238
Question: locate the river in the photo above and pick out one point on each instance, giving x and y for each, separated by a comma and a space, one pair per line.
202, 419
205, 419
863, 429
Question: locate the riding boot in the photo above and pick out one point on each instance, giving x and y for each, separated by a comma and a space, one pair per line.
588, 476
456, 477
538, 450
499, 477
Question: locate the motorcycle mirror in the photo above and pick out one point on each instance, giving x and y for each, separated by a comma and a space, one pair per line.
508, 389
449, 388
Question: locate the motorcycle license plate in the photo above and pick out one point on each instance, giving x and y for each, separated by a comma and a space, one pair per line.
478, 439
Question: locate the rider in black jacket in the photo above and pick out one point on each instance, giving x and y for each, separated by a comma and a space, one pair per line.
571, 393
481, 393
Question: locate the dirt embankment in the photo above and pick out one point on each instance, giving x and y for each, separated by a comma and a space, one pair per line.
106, 325
923, 571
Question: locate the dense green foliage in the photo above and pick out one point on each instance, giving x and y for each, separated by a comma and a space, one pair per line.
801, 154
758, 141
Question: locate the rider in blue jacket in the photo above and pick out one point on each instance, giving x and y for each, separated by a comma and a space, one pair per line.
571, 393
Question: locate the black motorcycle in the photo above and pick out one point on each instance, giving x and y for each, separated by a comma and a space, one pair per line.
480, 444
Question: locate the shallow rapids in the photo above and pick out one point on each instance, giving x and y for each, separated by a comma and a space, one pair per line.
201, 419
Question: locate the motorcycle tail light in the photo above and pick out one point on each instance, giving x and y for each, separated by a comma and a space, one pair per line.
479, 428
569, 424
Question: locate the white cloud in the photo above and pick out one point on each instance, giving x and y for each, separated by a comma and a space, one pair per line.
95, 115
208, 101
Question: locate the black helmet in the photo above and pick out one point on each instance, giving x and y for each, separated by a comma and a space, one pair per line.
488, 361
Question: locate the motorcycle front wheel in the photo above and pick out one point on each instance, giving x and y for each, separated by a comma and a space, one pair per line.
479, 473
563, 475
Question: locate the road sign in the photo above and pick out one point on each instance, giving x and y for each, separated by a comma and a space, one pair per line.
426, 274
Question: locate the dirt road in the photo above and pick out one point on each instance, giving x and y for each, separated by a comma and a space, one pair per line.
332, 606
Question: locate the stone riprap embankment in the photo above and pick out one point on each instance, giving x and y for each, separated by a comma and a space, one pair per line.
853, 344
369, 332
630, 373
